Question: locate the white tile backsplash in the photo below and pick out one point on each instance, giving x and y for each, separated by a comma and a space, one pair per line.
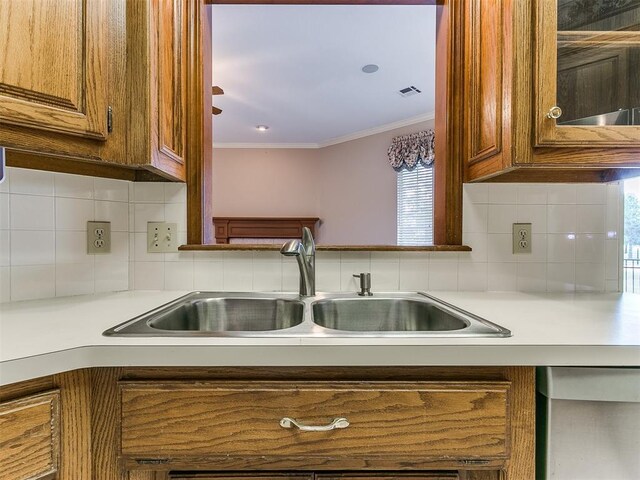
74, 279
112, 190
43, 244
33, 281
5, 284
5, 248
73, 213
73, 186
31, 182
575, 243
115, 212
30, 212
4, 211
32, 247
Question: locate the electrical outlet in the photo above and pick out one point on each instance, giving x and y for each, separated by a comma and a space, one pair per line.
162, 237
521, 238
98, 237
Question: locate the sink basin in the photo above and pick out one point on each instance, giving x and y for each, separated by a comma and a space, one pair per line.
246, 314
399, 315
384, 315
211, 314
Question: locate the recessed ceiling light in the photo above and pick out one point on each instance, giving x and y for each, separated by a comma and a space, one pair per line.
262, 128
371, 68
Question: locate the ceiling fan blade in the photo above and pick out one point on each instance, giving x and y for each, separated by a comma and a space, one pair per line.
216, 90
216, 110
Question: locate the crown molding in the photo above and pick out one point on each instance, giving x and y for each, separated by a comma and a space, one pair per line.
379, 129
337, 140
265, 145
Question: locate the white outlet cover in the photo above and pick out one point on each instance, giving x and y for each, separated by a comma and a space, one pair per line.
521, 237
98, 238
162, 237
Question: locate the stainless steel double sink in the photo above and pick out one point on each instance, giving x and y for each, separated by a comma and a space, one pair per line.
224, 314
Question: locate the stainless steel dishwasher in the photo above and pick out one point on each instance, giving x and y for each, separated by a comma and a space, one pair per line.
588, 423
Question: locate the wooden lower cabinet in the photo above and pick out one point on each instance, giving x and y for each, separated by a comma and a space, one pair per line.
335, 476
409, 423
30, 437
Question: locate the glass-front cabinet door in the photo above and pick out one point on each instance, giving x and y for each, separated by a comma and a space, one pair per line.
587, 73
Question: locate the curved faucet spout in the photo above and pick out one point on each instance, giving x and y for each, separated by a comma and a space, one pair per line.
305, 253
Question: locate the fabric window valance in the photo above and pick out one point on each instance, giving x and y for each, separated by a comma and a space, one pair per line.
407, 151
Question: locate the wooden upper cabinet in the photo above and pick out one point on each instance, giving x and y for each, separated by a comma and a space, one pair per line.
53, 66
96, 87
157, 62
587, 82
517, 65
172, 69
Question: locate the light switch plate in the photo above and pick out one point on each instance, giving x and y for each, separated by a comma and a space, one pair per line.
98, 237
162, 237
521, 238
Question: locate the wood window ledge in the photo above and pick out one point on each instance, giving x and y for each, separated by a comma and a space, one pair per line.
330, 248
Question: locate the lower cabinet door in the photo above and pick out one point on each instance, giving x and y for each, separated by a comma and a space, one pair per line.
390, 476
29, 437
248, 476
337, 476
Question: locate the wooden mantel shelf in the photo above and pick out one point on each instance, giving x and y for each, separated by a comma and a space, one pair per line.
261, 227
331, 248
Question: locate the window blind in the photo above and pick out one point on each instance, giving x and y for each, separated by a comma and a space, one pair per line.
415, 206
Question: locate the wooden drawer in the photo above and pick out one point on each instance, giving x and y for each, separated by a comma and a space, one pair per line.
393, 422
29, 437
351, 476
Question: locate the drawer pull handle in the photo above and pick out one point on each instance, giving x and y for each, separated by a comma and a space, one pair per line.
341, 422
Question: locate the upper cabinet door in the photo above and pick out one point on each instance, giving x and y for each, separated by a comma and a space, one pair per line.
53, 65
170, 71
588, 73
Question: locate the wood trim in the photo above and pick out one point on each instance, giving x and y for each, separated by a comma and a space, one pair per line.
534, 174
323, 2
329, 248
261, 227
449, 174
448, 166
75, 424
28, 387
67, 165
199, 136
105, 414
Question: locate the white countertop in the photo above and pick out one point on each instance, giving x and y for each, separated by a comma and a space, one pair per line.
44, 337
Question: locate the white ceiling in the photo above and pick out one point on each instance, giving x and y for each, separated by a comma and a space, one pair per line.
297, 69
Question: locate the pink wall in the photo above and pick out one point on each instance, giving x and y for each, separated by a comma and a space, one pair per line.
350, 186
264, 182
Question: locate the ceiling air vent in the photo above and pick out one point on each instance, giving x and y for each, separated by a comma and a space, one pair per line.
409, 91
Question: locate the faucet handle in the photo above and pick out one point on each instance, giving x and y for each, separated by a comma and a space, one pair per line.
365, 284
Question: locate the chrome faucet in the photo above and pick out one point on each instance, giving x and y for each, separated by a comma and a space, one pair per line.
305, 253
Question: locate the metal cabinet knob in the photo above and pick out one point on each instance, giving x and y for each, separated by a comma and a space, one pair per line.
555, 112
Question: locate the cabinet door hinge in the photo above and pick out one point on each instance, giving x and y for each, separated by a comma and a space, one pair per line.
474, 461
152, 461
109, 119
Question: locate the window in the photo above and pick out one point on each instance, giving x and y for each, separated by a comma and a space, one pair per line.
631, 247
415, 206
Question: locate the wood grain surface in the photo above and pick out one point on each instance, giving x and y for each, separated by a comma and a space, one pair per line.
400, 421
30, 437
36, 88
